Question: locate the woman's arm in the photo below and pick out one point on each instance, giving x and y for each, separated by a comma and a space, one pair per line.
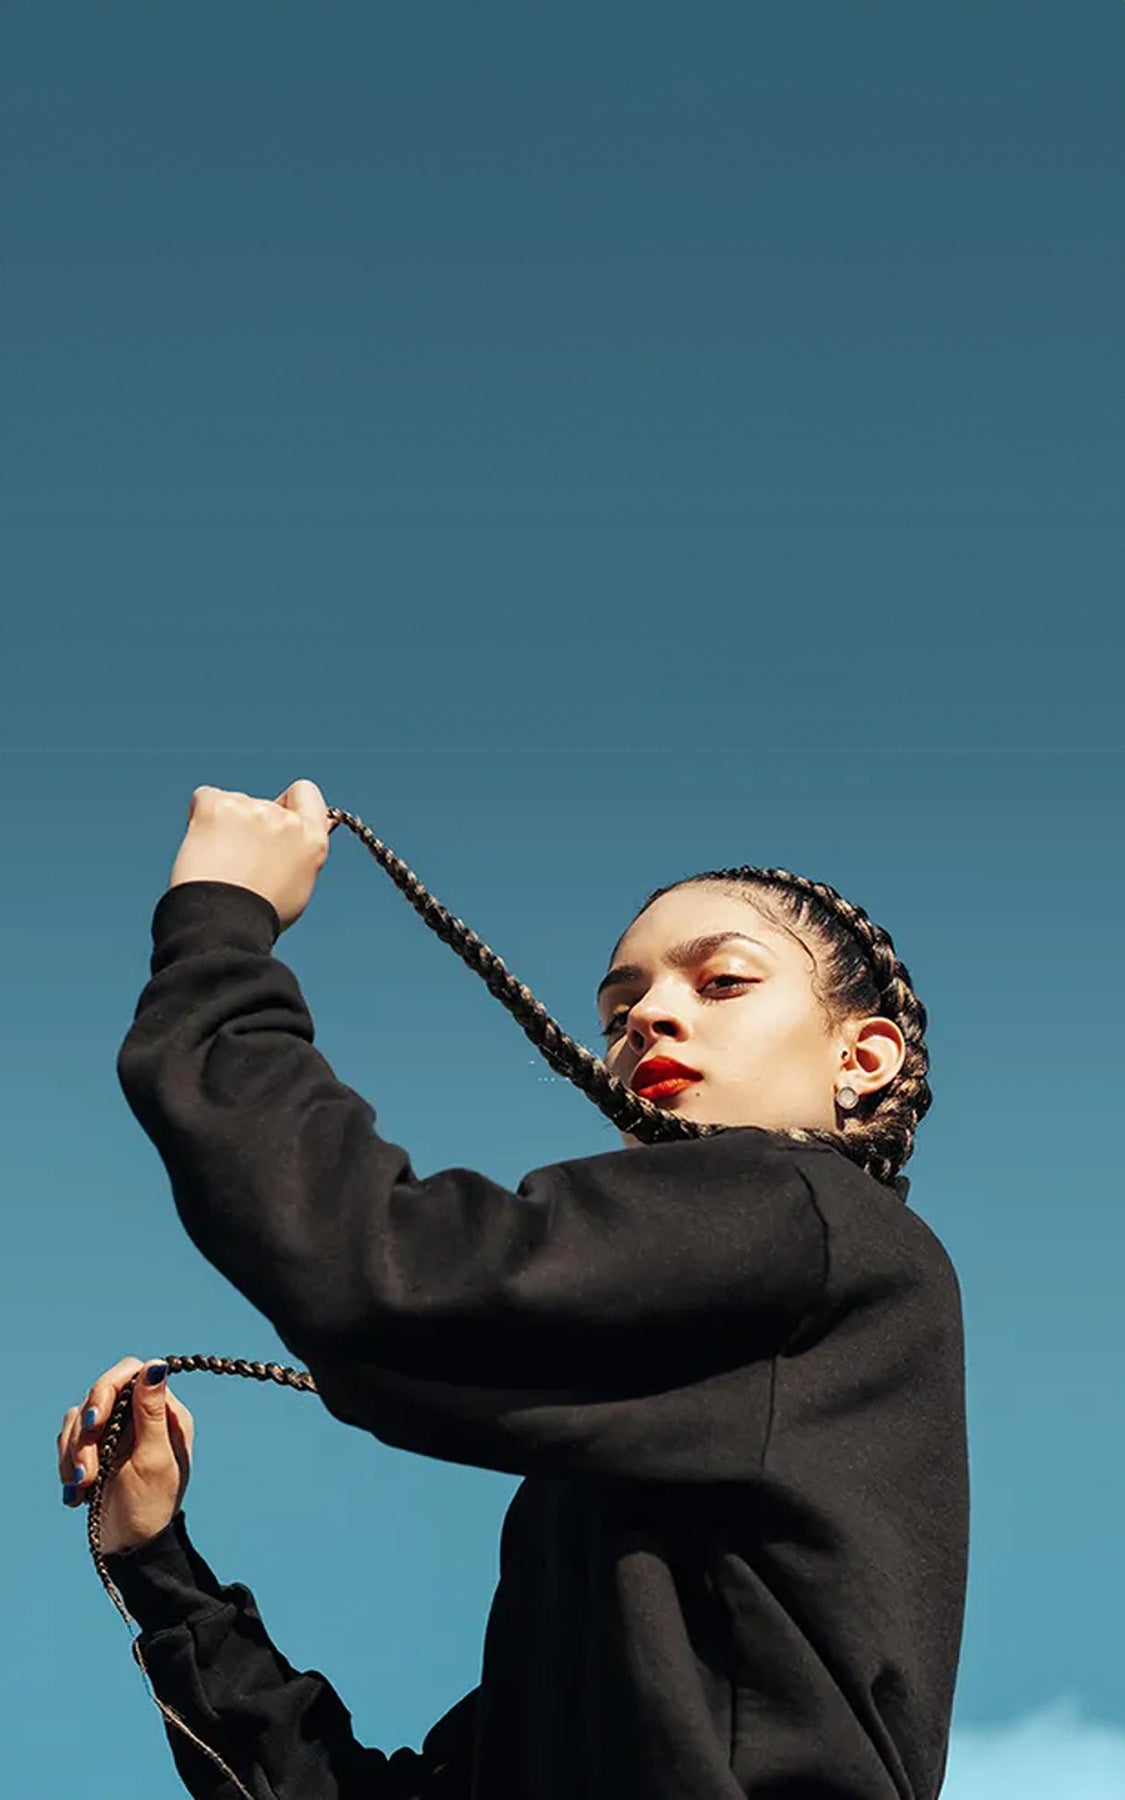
448, 1315
285, 1732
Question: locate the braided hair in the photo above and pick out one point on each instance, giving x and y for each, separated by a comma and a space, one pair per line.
864, 976
861, 975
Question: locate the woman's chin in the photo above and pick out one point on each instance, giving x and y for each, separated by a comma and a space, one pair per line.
687, 1104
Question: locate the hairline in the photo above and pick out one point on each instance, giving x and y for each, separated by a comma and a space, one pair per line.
734, 891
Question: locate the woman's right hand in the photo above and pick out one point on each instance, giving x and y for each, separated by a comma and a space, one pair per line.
153, 1460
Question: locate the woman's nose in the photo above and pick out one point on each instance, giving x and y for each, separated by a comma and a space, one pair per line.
648, 1021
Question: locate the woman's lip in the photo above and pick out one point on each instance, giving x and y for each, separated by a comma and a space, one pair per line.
670, 1084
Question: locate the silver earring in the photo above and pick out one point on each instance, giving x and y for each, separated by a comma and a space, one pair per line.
846, 1097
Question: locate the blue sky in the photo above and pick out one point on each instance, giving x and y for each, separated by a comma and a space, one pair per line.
594, 444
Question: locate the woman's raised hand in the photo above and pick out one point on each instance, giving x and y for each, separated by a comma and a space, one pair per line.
276, 848
153, 1459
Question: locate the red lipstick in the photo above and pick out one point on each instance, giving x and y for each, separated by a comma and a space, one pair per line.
661, 1076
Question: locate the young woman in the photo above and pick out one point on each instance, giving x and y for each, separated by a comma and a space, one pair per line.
729, 1369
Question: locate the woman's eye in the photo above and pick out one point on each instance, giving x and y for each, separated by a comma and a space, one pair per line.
616, 1019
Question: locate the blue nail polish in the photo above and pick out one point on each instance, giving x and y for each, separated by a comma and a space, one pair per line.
156, 1373
69, 1495
79, 1472
91, 1418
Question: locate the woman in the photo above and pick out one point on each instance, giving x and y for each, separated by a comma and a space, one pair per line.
729, 1369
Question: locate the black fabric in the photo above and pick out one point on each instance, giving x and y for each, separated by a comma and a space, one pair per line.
729, 1370
284, 1731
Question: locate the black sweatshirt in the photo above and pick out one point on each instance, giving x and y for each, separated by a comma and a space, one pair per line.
730, 1371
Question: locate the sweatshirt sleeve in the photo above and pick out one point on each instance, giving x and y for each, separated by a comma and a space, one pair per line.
285, 1732
514, 1330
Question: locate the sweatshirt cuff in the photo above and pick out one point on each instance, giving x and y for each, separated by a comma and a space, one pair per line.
164, 1580
206, 915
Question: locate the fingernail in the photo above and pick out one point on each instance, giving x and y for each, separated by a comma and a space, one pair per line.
91, 1418
69, 1495
156, 1373
79, 1472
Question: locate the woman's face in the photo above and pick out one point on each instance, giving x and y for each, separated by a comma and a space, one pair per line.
707, 981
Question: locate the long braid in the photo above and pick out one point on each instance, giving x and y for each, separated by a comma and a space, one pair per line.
630, 1112
880, 1142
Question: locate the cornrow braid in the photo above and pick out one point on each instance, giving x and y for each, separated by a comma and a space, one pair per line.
879, 1142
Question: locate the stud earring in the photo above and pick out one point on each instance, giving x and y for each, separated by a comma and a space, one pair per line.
846, 1098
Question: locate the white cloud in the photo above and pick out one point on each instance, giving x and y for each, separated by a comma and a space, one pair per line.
1053, 1754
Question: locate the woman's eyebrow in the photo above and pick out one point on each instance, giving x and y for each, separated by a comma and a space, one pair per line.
680, 956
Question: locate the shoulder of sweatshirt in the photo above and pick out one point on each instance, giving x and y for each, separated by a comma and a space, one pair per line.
866, 1219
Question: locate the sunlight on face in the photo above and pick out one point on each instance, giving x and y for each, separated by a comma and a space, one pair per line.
741, 1013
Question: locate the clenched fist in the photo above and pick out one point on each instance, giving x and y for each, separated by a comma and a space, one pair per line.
153, 1459
276, 848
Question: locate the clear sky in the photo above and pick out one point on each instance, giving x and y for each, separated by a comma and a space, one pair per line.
594, 443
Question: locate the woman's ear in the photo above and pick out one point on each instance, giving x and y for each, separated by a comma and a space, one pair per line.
878, 1053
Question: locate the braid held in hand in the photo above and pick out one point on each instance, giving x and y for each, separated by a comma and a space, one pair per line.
630, 1112
108, 1447
863, 975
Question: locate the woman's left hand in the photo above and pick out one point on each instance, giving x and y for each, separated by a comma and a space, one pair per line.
276, 848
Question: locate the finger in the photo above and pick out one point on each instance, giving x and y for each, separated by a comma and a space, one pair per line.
150, 1413
212, 803
93, 1417
83, 1453
64, 1443
305, 797
102, 1397
72, 1461
201, 799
